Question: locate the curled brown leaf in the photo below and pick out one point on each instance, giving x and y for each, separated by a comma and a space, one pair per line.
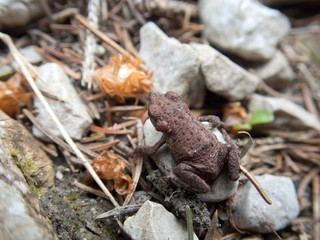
12, 95
123, 78
109, 166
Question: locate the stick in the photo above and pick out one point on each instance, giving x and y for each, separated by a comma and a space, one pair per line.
100, 35
138, 167
248, 174
256, 185
24, 66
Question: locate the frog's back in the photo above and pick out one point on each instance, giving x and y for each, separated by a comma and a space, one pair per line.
191, 139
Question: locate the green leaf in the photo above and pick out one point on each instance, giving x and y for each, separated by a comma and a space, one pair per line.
189, 222
242, 127
261, 116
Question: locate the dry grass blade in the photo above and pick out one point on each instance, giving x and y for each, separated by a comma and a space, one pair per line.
138, 167
316, 206
256, 185
100, 35
25, 67
303, 185
123, 210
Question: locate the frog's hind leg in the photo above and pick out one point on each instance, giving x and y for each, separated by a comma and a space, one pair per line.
233, 163
186, 176
233, 157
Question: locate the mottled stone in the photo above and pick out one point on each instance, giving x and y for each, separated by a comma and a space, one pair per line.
153, 221
244, 27
253, 214
70, 110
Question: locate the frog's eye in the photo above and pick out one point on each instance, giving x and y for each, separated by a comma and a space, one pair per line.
172, 95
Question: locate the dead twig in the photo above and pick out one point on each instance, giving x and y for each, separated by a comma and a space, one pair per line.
316, 206
303, 185
256, 185
167, 7
138, 164
100, 35
123, 210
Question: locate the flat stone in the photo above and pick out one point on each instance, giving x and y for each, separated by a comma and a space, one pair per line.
288, 115
220, 73
222, 188
175, 66
277, 72
31, 54
253, 214
71, 111
245, 27
153, 221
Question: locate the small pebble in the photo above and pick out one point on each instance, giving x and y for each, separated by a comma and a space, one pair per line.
59, 175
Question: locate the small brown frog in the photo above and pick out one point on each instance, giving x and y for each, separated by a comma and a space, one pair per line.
199, 154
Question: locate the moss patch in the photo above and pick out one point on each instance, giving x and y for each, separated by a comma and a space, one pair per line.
29, 170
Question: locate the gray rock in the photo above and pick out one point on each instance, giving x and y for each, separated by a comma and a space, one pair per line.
31, 54
276, 72
244, 27
222, 188
20, 214
175, 66
17, 13
220, 73
18, 143
71, 111
288, 115
153, 221
253, 214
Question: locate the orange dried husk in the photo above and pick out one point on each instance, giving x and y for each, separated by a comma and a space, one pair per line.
234, 114
123, 78
109, 166
12, 95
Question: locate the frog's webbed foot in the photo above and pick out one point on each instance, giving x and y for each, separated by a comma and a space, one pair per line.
214, 120
185, 176
150, 150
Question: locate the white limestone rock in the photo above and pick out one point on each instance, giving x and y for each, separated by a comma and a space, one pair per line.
175, 66
224, 77
243, 27
276, 72
153, 221
253, 214
71, 111
288, 115
31, 54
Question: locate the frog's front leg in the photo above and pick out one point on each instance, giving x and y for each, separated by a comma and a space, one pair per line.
214, 120
150, 150
187, 177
